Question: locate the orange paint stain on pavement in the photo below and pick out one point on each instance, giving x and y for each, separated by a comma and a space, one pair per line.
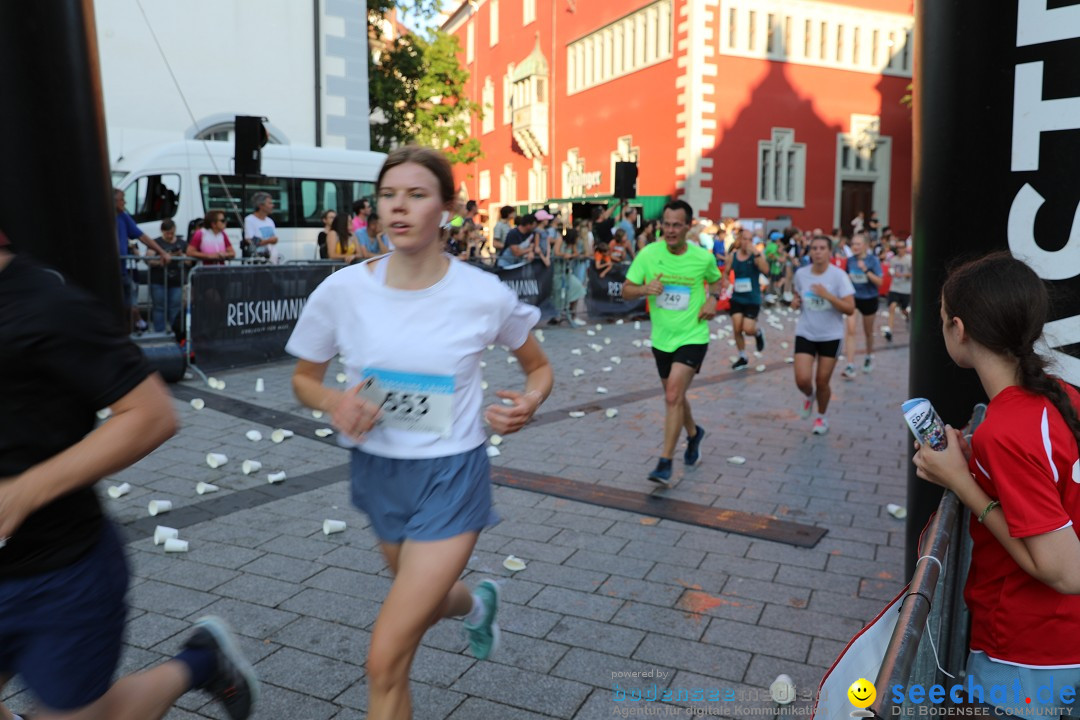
701, 602
885, 575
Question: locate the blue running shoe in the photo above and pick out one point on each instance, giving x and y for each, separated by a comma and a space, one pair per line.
662, 473
693, 446
484, 636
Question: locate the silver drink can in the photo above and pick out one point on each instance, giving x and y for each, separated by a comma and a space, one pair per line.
926, 425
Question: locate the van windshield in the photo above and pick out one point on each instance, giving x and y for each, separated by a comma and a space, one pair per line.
118, 176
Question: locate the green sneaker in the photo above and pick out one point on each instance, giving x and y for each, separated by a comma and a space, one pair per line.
484, 636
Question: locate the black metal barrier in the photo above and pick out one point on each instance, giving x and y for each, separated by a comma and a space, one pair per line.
243, 315
604, 296
934, 602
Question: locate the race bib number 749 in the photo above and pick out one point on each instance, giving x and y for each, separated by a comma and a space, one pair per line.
413, 401
674, 297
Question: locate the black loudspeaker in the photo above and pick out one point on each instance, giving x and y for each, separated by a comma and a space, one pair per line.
249, 136
165, 356
625, 180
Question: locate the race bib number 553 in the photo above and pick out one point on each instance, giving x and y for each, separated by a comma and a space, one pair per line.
414, 402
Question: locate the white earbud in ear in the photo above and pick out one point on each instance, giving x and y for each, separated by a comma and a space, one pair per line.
445, 218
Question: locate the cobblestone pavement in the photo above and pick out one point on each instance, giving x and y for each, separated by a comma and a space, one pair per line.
606, 593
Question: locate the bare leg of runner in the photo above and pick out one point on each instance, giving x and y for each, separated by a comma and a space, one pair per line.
825, 366
425, 575
141, 696
677, 408
868, 330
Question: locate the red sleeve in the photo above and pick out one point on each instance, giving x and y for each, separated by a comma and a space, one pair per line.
228, 245
1020, 470
196, 241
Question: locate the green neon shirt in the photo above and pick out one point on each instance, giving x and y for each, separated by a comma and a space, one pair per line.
674, 312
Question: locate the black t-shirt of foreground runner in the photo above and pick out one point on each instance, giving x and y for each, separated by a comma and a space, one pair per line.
62, 358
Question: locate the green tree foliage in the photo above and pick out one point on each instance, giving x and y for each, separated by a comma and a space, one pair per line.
419, 85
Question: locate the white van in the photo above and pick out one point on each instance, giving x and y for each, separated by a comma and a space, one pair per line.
179, 181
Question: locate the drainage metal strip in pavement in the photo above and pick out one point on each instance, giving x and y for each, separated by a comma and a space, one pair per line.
734, 521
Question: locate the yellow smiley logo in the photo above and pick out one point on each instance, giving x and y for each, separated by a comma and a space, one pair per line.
861, 693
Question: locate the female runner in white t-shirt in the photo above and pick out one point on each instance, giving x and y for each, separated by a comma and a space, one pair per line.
414, 324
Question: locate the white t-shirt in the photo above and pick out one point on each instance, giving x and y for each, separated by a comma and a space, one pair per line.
818, 319
262, 228
901, 266
424, 345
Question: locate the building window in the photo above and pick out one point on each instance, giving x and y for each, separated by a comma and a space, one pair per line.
484, 190
633, 42
528, 11
508, 95
781, 170
487, 100
493, 28
818, 32
470, 42
508, 185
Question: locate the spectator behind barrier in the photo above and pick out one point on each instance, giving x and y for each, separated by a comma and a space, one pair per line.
210, 243
340, 242
1020, 478
166, 283
327, 220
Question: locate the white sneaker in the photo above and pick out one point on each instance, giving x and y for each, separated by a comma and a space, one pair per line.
821, 426
807, 407
849, 372
868, 365
788, 297
578, 322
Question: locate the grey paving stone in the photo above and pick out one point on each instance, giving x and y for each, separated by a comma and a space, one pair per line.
599, 706
230, 557
645, 550
809, 622
714, 542
329, 639
823, 652
740, 567
816, 579
477, 709
524, 531
302, 548
884, 590
646, 533
613, 564
249, 619
754, 638
356, 584
640, 590
259, 589
149, 629
429, 702
438, 667
716, 662
861, 609
530, 550
604, 671
333, 607
523, 689
767, 592
589, 541
572, 602
684, 578
308, 674
194, 575
562, 576
282, 567
787, 555
600, 637
764, 669
278, 702
526, 620
171, 600
679, 623
528, 653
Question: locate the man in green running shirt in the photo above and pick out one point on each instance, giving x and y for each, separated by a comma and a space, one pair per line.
673, 274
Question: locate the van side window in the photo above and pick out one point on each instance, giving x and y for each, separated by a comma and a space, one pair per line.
361, 189
215, 197
315, 197
153, 197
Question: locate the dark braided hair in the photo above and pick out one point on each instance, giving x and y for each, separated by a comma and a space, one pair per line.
1004, 304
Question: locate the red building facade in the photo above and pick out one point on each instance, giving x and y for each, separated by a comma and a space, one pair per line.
757, 109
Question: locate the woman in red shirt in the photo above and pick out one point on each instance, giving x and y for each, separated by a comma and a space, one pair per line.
1021, 480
